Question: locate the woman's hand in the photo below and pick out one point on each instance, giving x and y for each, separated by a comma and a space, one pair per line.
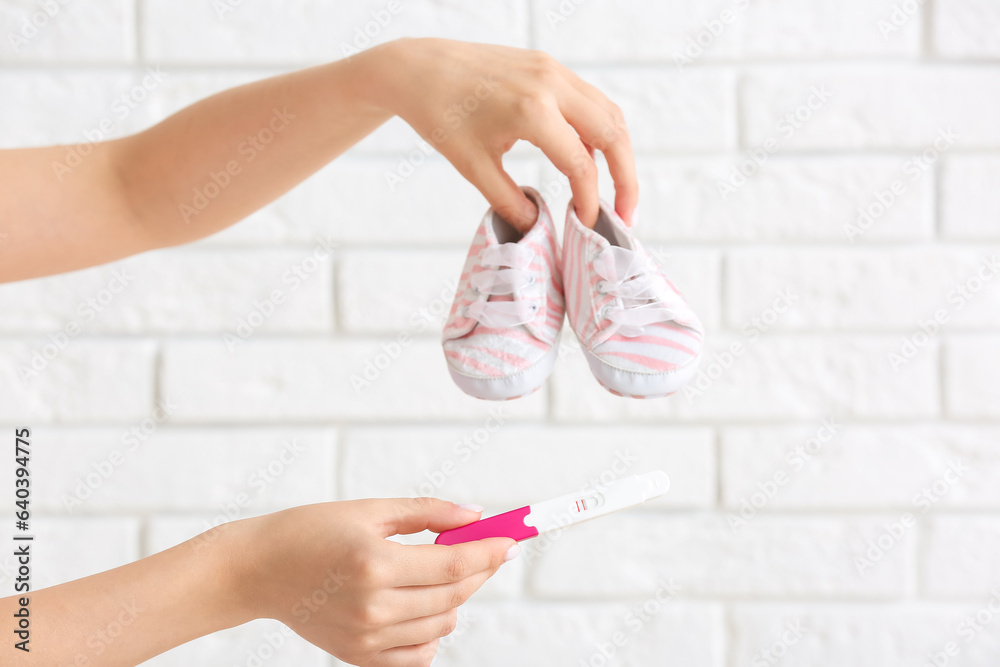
185, 177
473, 101
328, 572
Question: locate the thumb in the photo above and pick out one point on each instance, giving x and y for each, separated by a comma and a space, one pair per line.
404, 516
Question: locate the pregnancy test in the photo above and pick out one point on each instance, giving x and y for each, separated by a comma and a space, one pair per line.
556, 514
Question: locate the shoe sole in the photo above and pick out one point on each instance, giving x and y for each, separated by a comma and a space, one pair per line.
508, 387
629, 384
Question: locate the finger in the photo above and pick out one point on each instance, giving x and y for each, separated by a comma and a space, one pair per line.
500, 190
604, 128
432, 564
419, 601
403, 516
420, 630
406, 656
564, 148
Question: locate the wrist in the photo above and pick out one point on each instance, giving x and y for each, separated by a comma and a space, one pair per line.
376, 74
229, 560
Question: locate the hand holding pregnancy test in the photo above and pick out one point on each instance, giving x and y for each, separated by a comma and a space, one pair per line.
550, 515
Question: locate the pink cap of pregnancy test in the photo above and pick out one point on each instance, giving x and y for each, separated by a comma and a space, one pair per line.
509, 524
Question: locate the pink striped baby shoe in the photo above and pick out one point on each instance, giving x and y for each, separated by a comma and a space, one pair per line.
639, 335
501, 337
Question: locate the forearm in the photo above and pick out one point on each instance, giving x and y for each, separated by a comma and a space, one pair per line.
130, 614
219, 160
195, 173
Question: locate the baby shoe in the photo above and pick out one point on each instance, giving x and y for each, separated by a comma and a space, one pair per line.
640, 337
501, 337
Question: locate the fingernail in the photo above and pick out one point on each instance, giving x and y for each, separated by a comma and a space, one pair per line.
512, 552
471, 507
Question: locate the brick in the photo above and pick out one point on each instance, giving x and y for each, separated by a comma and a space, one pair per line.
76, 102
685, 199
668, 110
907, 289
160, 468
771, 556
183, 291
101, 31
388, 291
689, 199
800, 377
966, 28
862, 467
873, 107
968, 211
671, 32
971, 370
305, 31
486, 464
96, 543
961, 556
497, 634
879, 634
85, 381
312, 379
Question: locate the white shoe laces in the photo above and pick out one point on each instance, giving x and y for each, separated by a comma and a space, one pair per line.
641, 298
505, 271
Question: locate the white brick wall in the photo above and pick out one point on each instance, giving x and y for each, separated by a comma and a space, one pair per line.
782, 147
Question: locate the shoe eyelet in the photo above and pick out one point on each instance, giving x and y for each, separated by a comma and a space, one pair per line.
601, 287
